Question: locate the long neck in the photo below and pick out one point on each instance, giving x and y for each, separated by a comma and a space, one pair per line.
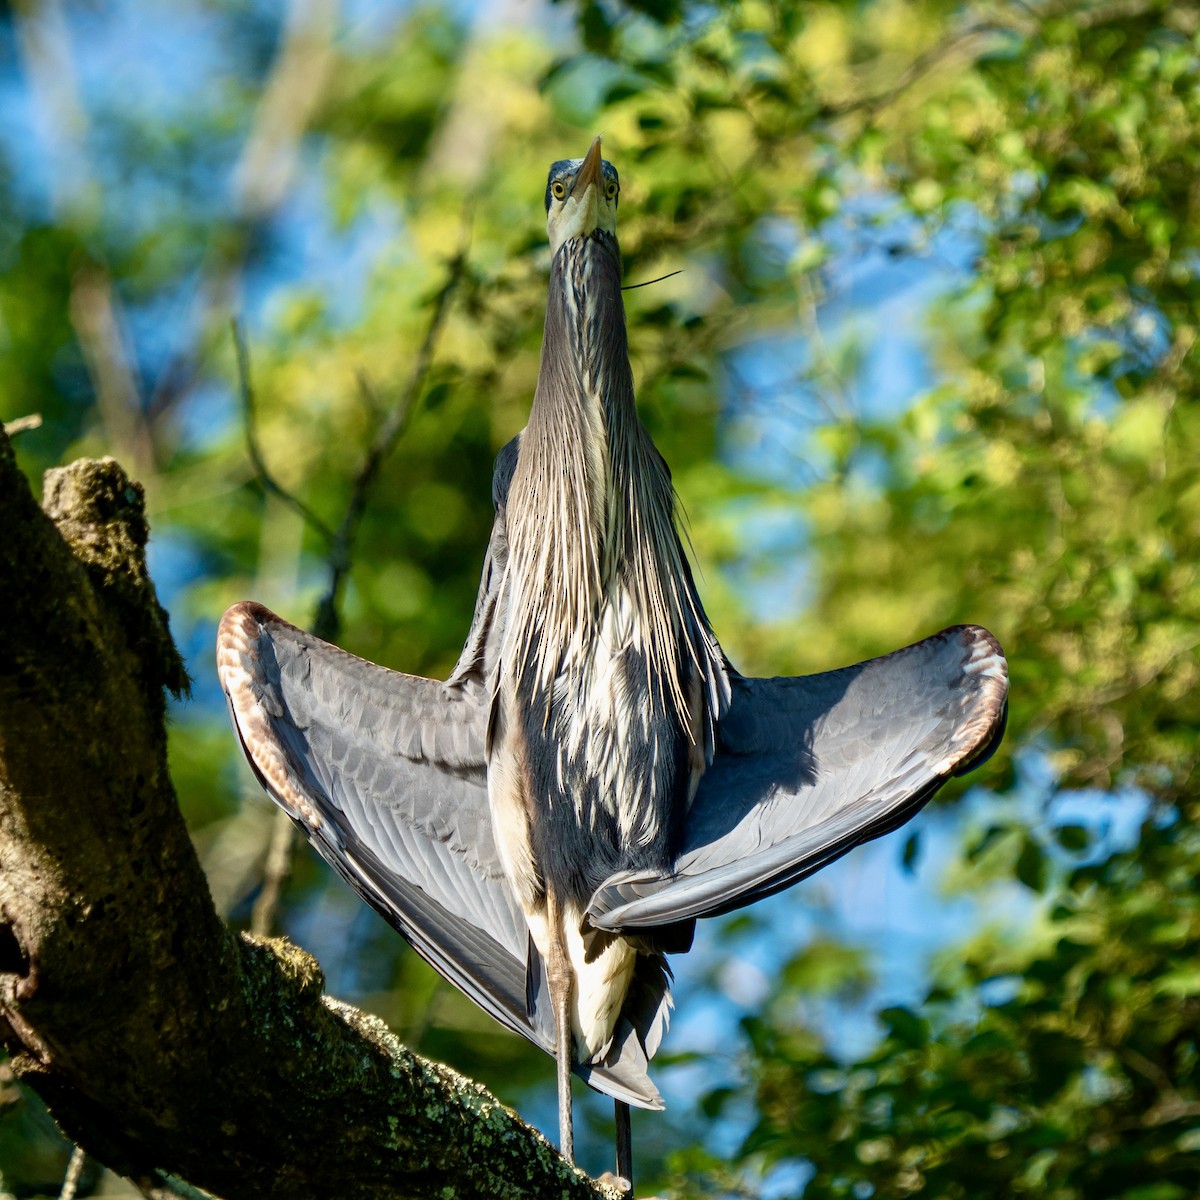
583, 408
593, 517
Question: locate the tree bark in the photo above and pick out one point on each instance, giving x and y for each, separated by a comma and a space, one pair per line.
160, 1039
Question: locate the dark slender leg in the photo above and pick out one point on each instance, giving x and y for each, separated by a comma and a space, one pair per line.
566, 1132
624, 1144
561, 979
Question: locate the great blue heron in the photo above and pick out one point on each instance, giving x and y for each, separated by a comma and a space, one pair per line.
548, 823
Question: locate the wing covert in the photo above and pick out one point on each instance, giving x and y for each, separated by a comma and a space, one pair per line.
808, 767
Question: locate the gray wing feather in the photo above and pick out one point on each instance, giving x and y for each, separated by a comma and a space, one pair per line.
807, 768
385, 774
481, 648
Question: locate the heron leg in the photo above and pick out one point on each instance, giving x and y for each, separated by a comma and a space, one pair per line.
561, 980
624, 1146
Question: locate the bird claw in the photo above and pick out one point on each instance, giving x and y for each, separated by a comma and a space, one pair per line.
623, 1185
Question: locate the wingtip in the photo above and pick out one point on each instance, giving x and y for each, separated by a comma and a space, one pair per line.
244, 616
243, 679
984, 654
985, 703
237, 635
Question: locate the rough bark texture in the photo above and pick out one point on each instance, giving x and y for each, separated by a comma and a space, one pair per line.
160, 1039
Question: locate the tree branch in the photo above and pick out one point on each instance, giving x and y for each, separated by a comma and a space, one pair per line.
327, 623
160, 1040
253, 450
290, 98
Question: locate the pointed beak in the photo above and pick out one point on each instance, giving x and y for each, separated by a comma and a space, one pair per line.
588, 187
591, 171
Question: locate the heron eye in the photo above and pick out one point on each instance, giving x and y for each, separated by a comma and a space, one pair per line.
611, 190
558, 189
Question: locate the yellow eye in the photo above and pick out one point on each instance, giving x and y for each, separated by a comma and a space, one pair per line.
558, 189
611, 190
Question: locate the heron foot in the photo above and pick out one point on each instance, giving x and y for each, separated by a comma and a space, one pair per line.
623, 1185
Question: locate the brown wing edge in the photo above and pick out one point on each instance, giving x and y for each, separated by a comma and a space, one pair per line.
983, 730
236, 637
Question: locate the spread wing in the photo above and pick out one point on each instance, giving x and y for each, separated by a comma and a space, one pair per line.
384, 772
807, 768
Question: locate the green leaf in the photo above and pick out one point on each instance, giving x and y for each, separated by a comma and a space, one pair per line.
1031, 865
1074, 838
905, 1026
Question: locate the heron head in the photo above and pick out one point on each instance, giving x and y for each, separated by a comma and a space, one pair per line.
581, 197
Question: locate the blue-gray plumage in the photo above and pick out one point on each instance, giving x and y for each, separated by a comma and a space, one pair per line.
594, 776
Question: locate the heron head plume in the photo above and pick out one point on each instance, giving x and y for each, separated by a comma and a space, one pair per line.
581, 197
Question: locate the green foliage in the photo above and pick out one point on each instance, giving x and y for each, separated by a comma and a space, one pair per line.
1082, 1081
1045, 483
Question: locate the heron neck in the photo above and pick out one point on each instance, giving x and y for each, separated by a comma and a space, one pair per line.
584, 419
591, 509
585, 352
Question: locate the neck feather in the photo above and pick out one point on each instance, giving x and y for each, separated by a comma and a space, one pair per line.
594, 521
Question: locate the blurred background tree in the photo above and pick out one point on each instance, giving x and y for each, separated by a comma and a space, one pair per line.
930, 359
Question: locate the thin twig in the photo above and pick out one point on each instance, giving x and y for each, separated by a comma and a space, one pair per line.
74, 1173
369, 396
275, 872
327, 622
160, 1186
919, 67
250, 426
